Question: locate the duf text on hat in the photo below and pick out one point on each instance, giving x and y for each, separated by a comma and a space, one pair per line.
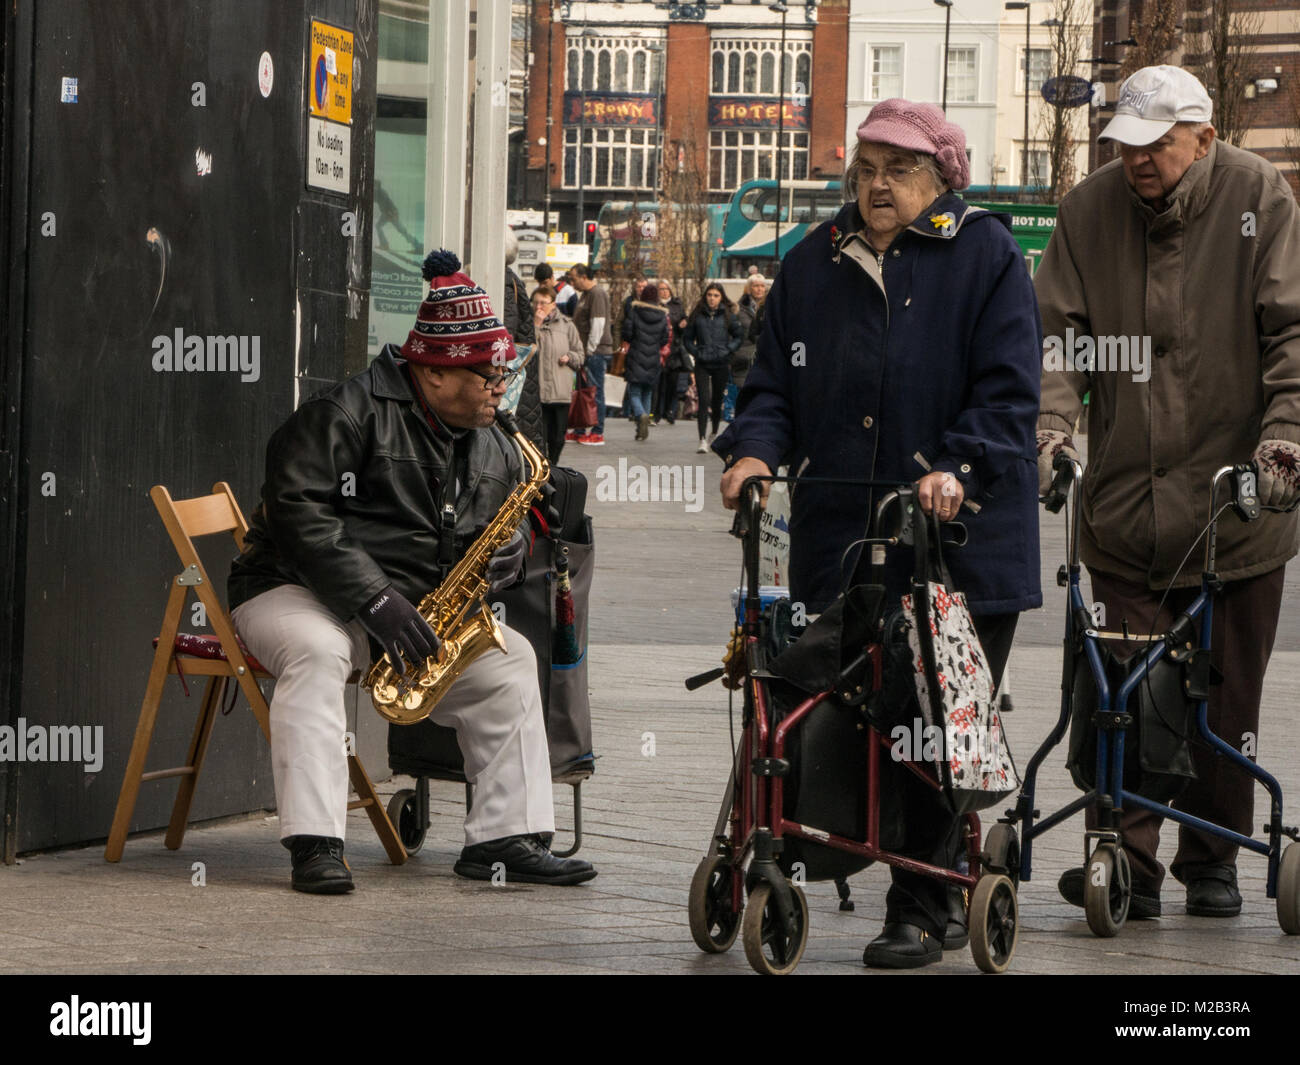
455, 325
1152, 100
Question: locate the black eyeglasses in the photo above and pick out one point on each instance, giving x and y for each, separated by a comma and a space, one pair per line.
491, 380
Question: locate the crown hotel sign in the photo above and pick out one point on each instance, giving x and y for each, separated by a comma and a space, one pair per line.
609, 109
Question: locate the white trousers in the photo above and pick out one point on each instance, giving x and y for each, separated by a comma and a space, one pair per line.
495, 708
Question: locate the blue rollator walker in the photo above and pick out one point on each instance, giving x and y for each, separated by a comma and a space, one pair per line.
1111, 703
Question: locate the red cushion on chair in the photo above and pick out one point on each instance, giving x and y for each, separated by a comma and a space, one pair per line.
198, 645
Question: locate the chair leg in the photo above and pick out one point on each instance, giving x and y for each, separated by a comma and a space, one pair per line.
130, 792
375, 809
577, 823
212, 695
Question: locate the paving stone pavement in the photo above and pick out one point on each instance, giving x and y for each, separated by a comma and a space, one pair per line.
660, 612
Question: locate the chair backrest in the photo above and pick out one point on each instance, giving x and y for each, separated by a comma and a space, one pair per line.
186, 519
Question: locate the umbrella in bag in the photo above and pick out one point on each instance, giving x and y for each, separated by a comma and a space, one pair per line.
564, 641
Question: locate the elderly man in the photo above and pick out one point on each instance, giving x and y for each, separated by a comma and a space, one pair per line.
373, 492
1178, 267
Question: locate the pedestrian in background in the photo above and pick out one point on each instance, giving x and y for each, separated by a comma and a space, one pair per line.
559, 355
647, 332
671, 383
712, 337
750, 312
593, 321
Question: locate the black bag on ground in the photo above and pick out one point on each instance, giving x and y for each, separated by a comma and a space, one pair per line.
1157, 750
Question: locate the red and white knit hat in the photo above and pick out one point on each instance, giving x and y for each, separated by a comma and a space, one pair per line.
456, 325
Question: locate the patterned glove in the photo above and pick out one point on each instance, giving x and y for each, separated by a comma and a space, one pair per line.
1278, 463
1050, 443
507, 565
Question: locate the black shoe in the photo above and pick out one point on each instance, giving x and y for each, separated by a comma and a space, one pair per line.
956, 936
902, 946
318, 865
1211, 890
525, 861
1142, 905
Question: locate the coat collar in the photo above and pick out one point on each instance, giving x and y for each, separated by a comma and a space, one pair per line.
943, 220
388, 380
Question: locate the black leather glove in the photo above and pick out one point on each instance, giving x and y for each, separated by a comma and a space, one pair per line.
507, 565
397, 625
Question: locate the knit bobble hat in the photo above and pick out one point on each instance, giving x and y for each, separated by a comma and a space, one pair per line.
455, 325
919, 128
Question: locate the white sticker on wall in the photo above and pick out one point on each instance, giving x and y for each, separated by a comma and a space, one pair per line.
265, 74
202, 162
68, 94
332, 62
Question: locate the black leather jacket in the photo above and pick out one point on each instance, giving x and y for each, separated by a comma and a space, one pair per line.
354, 484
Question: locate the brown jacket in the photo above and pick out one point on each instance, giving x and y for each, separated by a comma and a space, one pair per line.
556, 337
1211, 289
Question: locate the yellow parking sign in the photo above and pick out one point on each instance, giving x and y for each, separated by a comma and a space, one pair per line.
330, 84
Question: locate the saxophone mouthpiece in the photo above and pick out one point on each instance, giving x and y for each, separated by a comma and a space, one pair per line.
507, 422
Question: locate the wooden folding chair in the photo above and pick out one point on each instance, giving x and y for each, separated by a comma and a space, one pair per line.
220, 658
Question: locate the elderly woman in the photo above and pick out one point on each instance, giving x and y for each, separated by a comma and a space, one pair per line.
902, 343
749, 309
559, 354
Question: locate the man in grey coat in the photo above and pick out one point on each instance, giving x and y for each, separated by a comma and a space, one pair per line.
1171, 293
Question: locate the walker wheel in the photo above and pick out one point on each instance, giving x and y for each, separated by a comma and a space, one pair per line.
714, 923
1002, 852
406, 819
1288, 890
769, 950
994, 922
1107, 888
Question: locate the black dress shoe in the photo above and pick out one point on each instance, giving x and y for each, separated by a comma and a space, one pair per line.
902, 946
524, 860
1142, 905
956, 936
318, 865
1211, 890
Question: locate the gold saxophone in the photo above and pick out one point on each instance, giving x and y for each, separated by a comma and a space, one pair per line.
407, 696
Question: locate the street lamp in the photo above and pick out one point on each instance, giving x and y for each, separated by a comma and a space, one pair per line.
1021, 5
582, 116
550, 120
660, 51
947, 22
781, 9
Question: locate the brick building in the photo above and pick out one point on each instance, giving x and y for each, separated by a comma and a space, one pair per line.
1271, 107
628, 85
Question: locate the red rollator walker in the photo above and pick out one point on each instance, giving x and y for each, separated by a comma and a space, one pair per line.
810, 793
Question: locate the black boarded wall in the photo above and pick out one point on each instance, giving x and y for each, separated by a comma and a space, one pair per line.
168, 200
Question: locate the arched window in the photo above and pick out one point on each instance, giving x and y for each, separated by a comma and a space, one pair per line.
803, 71
588, 71
733, 72
571, 78
767, 76
602, 71
751, 72
719, 73
638, 72
620, 71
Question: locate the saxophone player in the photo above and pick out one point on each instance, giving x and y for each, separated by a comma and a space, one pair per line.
373, 491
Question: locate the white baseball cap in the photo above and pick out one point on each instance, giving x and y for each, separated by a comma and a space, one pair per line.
1152, 100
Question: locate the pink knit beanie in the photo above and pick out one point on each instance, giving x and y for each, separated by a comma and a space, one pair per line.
919, 128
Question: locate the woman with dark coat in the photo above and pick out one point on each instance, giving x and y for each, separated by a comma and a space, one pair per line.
666, 394
646, 330
712, 337
902, 343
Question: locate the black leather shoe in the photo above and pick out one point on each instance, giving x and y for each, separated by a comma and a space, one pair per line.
1142, 905
525, 861
1211, 890
956, 936
318, 865
902, 946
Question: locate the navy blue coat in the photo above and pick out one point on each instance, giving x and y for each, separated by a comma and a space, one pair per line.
943, 374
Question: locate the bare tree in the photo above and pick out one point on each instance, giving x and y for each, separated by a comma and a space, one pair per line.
1220, 54
1060, 127
682, 251
1158, 31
